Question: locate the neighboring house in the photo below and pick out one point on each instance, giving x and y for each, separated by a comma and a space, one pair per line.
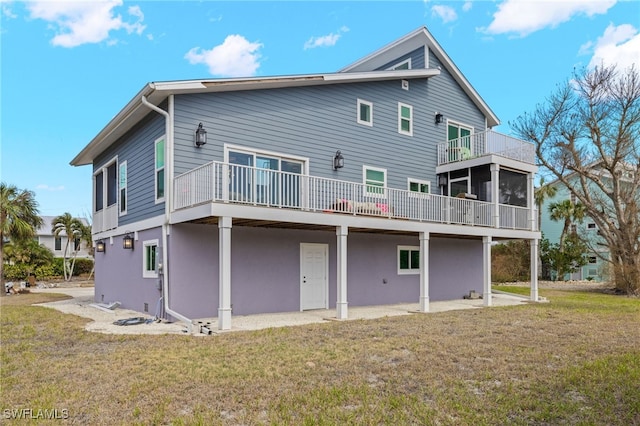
381, 183
45, 237
597, 268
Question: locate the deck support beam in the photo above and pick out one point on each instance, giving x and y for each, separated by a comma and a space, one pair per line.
341, 263
486, 270
534, 270
424, 272
495, 193
224, 269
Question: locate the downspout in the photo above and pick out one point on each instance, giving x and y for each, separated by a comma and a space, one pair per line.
168, 155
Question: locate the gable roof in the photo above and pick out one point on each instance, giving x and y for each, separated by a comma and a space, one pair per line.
412, 41
157, 92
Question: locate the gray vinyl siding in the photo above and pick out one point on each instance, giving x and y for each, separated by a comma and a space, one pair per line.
136, 147
314, 122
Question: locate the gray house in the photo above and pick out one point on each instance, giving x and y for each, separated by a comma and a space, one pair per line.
380, 183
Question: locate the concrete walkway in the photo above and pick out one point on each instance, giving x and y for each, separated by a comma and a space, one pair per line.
102, 321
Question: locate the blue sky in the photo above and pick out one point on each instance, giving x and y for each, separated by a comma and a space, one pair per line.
68, 67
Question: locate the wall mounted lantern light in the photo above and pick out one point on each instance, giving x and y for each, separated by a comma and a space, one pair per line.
338, 161
201, 136
127, 242
442, 180
439, 118
100, 247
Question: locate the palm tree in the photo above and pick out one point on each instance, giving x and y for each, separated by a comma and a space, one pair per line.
18, 217
72, 228
541, 193
567, 212
87, 237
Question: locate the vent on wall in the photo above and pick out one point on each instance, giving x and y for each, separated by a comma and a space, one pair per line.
146, 307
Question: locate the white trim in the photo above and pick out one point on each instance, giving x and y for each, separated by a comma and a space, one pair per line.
126, 189
419, 182
410, 271
364, 181
359, 117
400, 118
162, 138
145, 272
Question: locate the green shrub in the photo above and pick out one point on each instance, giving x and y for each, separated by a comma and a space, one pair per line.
83, 266
57, 266
45, 272
16, 272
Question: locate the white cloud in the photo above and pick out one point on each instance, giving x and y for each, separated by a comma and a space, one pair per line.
467, 6
235, 57
524, 17
446, 13
325, 41
6, 10
77, 23
46, 187
619, 45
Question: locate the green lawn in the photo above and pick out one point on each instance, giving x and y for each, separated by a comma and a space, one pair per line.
575, 360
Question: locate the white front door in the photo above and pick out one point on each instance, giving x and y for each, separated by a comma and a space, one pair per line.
314, 271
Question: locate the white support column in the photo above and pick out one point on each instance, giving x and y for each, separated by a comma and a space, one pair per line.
224, 267
486, 270
531, 202
424, 272
341, 302
534, 270
495, 193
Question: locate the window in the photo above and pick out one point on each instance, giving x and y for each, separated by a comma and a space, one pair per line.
375, 181
593, 260
122, 178
58, 243
99, 198
404, 65
408, 260
419, 186
112, 185
76, 244
365, 113
150, 259
405, 121
159, 169
591, 226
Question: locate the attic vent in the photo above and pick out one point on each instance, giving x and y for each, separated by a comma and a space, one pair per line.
405, 84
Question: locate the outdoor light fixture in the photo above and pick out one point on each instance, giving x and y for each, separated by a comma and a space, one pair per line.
439, 118
201, 136
338, 161
127, 242
100, 246
442, 180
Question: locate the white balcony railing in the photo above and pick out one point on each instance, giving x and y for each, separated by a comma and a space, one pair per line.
105, 219
230, 183
485, 143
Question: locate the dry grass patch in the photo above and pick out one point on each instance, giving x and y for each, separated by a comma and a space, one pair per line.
575, 360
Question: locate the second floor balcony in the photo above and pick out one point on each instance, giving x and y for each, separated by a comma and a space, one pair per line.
485, 143
218, 182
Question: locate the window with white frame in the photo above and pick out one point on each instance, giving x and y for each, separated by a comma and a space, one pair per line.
159, 169
122, 181
405, 119
404, 65
149, 259
418, 186
365, 112
375, 180
408, 260
593, 260
58, 243
591, 226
